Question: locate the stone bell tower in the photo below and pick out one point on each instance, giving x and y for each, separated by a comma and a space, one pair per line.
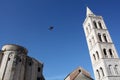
104, 57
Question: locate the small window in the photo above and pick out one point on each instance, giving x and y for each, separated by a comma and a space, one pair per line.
89, 26
97, 54
93, 40
110, 51
102, 71
98, 74
39, 69
99, 36
90, 43
38, 78
105, 38
87, 32
20, 60
30, 63
110, 69
79, 70
105, 53
100, 25
95, 25
116, 69
8, 59
94, 56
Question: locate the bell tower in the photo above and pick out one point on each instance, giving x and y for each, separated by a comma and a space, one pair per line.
103, 54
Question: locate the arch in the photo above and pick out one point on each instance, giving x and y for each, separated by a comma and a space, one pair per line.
100, 25
98, 74
87, 32
39, 69
102, 72
97, 54
105, 38
89, 26
95, 24
9, 58
116, 69
93, 40
111, 54
99, 36
94, 56
110, 69
90, 43
105, 53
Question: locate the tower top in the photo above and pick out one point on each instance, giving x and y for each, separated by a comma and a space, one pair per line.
89, 12
14, 47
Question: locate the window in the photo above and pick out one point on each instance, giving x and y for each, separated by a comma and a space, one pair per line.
110, 69
94, 56
101, 69
93, 40
89, 26
97, 54
98, 74
105, 53
111, 54
90, 43
105, 38
20, 60
79, 70
8, 59
99, 36
30, 63
38, 78
116, 69
100, 25
87, 32
95, 25
39, 69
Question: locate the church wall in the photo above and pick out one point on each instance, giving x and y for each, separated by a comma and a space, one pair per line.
16, 65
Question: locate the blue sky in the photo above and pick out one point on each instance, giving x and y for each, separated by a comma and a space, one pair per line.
26, 23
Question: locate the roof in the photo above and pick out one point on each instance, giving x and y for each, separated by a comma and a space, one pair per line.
89, 12
78, 72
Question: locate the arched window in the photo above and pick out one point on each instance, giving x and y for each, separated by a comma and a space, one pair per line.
102, 72
100, 25
8, 58
95, 25
105, 38
110, 51
89, 26
116, 69
39, 69
110, 69
98, 74
87, 32
90, 43
93, 40
94, 56
97, 54
99, 36
105, 53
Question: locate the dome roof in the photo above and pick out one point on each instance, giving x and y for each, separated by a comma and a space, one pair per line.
14, 47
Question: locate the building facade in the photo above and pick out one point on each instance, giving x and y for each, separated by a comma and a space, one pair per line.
16, 65
79, 74
104, 57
